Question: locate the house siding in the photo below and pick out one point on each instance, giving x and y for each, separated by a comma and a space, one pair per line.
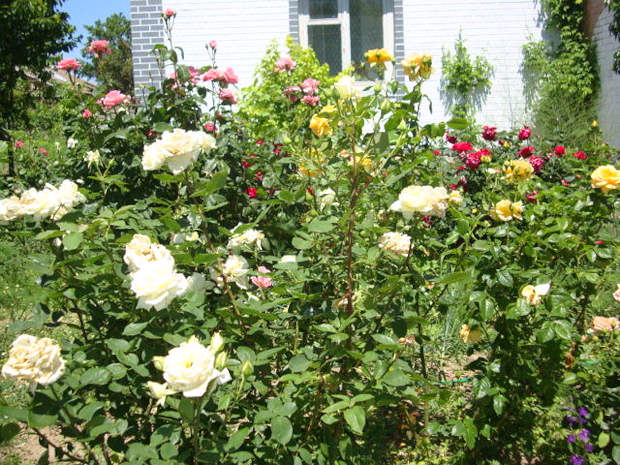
243, 29
147, 30
609, 98
494, 29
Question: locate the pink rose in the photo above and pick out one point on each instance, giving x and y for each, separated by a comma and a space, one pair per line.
99, 47
230, 77
536, 162
525, 133
310, 86
292, 93
213, 45
532, 197
169, 13
312, 100
212, 75
565, 183
68, 64
227, 96
209, 127
472, 160
262, 281
113, 98
86, 113
263, 269
284, 64
489, 133
19, 144
43, 152
252, 192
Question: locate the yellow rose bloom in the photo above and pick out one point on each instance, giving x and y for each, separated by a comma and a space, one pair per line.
328, 109
320, 126
505, 210
455, 197
311, 166
533, 294
417, 66
605, 178
361, 161
378, 56
470, 336
518, 170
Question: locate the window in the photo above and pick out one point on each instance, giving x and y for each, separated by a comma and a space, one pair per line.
341, 31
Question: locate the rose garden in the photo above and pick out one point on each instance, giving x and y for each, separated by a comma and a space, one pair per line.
304, 272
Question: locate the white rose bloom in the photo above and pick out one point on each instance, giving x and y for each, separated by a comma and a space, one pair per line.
455, 197
184, 148
190, 369
197, 283
71, 142
68, 196
204, 140
426, 200
288, 259
345, 86
326, 198
154, 156
35, 360
157, 283
179, 238
10, 208
235, 269
248, 237
533, 294
92, 157
140, 252
396, 242
159, 392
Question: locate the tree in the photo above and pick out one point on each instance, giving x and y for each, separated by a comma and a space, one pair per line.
114, 70
32, 32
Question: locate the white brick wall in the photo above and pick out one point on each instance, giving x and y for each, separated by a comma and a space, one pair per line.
609, 100
496, 29
242, 29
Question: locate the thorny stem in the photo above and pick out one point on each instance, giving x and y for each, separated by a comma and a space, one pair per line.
56, 446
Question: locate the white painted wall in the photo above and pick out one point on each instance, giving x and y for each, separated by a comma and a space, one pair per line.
242, 29
609, 100
496, 29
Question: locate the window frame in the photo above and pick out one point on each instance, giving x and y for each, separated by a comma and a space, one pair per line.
342, 20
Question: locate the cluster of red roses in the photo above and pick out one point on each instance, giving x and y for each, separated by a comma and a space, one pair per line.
252, 191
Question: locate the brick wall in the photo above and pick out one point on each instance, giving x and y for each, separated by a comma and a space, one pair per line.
147, 30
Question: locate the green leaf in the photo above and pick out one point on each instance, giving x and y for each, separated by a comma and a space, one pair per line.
299, 363
319, 226
300, 243
603, 440
213, 185
396, 378
36, 420
337, 406
186, 409
504, 278
14, 413
457, 123
563, 329
281, 430
498, 403
168, 451
134, 328
356, 419
470, 433
236, 439
8, 432
456, 277
72, 240
615, 453
95, 375
361, 398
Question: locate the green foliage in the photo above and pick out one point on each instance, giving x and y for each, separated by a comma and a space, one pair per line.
113, 71
614, 29
561, 81
265, 107
358, 351
465, 81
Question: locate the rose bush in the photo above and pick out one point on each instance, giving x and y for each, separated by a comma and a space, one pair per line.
299, 298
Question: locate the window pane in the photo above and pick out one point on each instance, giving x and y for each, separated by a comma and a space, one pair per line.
366, 17
325, 40
323, 9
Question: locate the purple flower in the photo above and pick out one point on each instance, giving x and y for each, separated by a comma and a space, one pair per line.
571, 439
577, 460
589, 448
584, 435
581, 420
583, 412
571, 420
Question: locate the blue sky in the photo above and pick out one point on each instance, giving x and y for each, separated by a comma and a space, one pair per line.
86, 12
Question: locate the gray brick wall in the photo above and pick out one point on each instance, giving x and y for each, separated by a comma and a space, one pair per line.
293, 16
147, 30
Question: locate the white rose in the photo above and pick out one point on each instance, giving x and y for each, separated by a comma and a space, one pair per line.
326, 198
71, 142
204, 140
396, 242
235, 269
197, 283
159, 392
92, 157
154, 156
190, 369
184, 148
345, 86
35, 360
426, 200
156, 284
140, 251
10, 208
248, 237
288, 259
68, 196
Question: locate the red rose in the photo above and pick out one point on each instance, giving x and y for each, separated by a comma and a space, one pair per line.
537, 163
565, 183
462, 147
559, 150
472, 160
526, 151
245, 164
252, 192
531, 197
580, 155
525, 133
489, 133
450, 138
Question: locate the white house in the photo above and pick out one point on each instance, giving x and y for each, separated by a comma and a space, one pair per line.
342, 30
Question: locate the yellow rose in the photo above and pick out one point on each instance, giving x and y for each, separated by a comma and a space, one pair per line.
533, 294
312, 166
455, 197
417, 66
426, 200
378, 57
605, 178
361, 162
505, 210
320, 126
518, 170
470, 336
395, 242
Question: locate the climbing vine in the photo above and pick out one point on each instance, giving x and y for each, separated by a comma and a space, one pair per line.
614, 29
